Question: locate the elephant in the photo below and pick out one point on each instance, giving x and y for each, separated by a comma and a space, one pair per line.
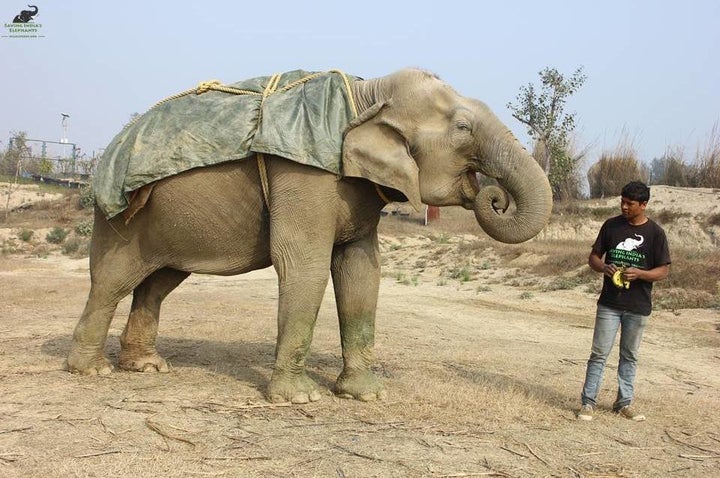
415, 139
631, 244
25, 15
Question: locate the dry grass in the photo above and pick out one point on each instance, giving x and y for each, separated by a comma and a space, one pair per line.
556, 264
690, 283
480, 383
577, 210
707, 161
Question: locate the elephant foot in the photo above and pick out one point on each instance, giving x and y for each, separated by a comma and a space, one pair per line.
292, 388
361, 385
147, 363
94, 363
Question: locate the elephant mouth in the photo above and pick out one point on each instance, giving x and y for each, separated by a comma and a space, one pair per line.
470, 188
473, 180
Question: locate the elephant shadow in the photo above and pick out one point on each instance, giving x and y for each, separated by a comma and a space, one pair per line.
248, 362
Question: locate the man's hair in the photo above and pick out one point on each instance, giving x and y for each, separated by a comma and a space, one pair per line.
636, 191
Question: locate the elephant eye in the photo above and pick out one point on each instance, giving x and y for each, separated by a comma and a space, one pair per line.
463, 126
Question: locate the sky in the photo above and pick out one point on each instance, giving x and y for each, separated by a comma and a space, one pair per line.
653, 75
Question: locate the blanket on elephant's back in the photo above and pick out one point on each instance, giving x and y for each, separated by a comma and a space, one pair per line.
299, 115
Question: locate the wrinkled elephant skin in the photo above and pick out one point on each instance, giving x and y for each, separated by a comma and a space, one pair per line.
415, 140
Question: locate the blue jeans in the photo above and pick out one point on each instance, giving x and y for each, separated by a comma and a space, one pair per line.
607, 322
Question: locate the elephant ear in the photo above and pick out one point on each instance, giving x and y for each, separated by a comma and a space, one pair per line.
375, 149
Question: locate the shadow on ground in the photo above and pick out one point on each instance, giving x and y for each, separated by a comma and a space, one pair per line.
247, 362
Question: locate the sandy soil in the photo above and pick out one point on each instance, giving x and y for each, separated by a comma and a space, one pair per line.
483, 377
483, 380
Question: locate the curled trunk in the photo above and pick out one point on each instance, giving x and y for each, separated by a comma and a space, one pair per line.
525, 182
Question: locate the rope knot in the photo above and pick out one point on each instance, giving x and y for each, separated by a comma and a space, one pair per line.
205, 86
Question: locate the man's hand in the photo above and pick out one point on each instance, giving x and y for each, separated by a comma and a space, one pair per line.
632, 273
610, 269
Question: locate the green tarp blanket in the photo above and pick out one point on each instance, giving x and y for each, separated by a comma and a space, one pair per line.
303, 118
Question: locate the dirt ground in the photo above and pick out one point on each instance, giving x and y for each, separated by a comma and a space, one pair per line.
483, 379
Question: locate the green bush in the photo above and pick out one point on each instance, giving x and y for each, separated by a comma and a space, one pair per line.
57, 235
87, 197
25, 235
85, 228
565, 283
443, 238
462, 274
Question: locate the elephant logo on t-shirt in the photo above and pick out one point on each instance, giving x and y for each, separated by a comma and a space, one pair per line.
630, 244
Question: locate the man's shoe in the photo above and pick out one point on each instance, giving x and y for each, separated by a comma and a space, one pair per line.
630, 413
586, 413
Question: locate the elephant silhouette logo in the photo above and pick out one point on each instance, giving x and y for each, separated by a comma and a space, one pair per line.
630, 244
26, 15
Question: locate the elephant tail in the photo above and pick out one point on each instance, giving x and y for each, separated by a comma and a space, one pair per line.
137, 201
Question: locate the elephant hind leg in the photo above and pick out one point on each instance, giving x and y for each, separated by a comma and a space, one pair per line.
137, 342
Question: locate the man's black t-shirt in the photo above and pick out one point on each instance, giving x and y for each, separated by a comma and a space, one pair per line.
643, 247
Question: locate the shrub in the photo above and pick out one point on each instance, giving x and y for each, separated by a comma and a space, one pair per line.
692, 281
87, 197
25, 235
707, 161
41, 251
572, 208
671, 169
686, 299
565, 283
461, 273
614, 170
85, 228
57, 235
71, 246
669, 216
714, 220
443, 238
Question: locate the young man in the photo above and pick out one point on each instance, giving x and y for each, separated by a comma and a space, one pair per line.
635, 248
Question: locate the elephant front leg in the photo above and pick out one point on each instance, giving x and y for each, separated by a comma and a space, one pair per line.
298, 305
356, 278
87, 355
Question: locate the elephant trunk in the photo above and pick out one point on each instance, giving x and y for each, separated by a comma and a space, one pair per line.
522, 179
32, 14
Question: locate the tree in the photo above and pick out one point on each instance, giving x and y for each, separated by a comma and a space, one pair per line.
12, 165
17, 151
550, 127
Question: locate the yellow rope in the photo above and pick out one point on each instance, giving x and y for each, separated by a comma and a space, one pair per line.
351, 99
262, 168
216, 85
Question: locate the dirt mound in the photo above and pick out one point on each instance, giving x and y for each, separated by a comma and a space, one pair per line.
16, 195
690, 217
